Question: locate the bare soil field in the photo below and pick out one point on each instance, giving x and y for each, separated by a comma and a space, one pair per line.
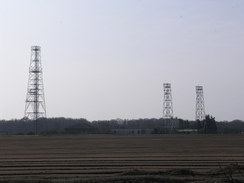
122, 159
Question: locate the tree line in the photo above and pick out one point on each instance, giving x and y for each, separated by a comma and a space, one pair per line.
50, 126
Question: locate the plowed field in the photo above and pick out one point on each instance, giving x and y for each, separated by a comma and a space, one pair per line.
120, 158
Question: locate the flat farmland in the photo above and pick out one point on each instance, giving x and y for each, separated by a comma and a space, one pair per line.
112, 158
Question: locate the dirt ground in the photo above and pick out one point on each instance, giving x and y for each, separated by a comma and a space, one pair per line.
113, 158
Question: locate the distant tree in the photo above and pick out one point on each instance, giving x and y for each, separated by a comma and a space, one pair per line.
232, 127
210, 126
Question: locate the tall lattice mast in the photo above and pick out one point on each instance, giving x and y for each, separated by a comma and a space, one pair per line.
200, 110
35, 101
168, 104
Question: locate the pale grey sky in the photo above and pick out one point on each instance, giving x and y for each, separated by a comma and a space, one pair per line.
106, 59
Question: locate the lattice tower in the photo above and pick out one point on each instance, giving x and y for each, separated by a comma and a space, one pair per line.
35, 101
200, 109
167, 104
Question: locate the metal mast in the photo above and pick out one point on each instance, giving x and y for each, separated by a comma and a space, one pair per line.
35, 101
200, 110
167, 105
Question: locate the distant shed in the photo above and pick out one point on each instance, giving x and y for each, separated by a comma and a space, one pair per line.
188, 131
132, 131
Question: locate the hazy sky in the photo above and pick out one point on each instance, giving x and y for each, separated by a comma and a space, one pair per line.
107, 59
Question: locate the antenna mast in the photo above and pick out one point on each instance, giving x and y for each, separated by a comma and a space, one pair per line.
200, 109
168, 104
35, 101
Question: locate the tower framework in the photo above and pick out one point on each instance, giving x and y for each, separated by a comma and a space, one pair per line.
167, 104
35, 101
200, 108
